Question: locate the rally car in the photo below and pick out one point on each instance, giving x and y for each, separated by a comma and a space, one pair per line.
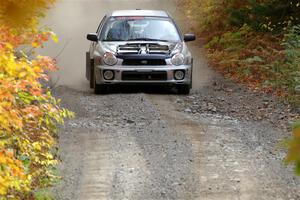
139, 47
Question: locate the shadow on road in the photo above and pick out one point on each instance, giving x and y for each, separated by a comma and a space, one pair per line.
148, 89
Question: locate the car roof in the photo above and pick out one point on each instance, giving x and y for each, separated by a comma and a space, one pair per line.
143, 13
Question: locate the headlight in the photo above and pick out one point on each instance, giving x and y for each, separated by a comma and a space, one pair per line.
109, 58
177, 59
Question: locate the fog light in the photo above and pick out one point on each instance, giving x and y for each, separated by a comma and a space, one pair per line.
179, 75
108, 74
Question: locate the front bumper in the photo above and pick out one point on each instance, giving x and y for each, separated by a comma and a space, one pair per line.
119, 69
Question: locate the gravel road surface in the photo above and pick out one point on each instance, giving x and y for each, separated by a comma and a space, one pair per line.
145, 144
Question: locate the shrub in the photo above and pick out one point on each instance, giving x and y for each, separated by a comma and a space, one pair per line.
293, 146
28, 113
291, 66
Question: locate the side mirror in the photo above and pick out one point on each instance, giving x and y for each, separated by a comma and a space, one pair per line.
92, 37
189, 37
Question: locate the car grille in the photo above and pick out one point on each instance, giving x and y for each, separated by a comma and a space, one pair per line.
144, 62
148, 48
144, 76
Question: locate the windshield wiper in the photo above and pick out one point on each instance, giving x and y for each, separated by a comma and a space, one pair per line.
146, 39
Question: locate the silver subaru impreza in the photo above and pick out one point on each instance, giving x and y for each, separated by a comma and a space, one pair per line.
139, 47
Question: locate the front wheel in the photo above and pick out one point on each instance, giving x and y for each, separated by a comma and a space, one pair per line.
183, 89
100, 88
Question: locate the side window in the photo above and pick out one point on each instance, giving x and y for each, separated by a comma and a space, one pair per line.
100, 25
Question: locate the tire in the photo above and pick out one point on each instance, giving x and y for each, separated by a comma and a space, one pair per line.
92, 74
183, 89
99, 88
87, 65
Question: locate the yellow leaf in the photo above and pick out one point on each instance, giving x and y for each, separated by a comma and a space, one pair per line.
54, 37
22, 74
35, 44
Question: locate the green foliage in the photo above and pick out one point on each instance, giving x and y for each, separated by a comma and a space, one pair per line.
252, 41
267, 15
292, 44
43, 195
293, 146
230, 39
263, 15
292, 61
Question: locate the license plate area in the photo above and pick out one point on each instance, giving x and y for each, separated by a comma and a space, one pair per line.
144, 75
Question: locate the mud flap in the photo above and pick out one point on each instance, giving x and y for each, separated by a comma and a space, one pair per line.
88, 65
192, 62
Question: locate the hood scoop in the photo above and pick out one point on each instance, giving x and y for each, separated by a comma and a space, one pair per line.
145, 48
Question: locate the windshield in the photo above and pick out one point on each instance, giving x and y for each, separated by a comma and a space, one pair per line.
139, 28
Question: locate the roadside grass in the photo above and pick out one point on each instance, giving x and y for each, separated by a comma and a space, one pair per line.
43, 194
262, 56
265, 62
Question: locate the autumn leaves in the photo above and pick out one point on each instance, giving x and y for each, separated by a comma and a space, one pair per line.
29, 113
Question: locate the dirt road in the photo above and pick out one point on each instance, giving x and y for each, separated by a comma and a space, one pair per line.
145, 144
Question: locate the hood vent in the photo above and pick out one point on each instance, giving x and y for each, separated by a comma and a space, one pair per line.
143, 49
